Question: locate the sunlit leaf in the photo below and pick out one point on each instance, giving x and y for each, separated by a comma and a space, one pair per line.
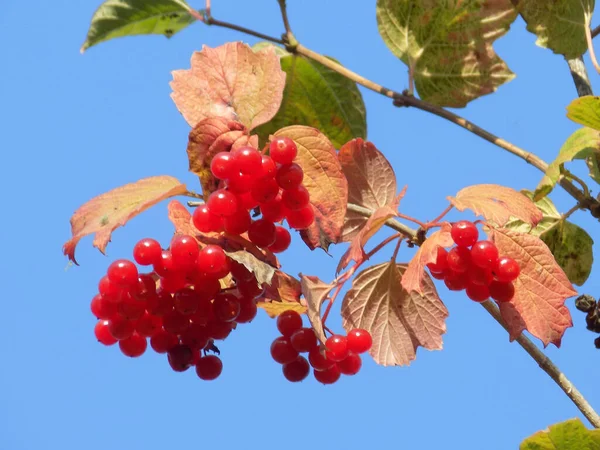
262, 271
568, 435
315, 292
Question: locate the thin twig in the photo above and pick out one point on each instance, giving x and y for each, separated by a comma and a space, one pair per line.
596, 31
568, 214
193, 195
284, 16
394, 224
580, 76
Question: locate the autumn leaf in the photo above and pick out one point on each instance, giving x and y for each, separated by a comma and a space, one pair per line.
106, 212
274, 308
540, 290
181, 218
315, 292
283, 287
568, 435
371, 182
448, 45
415, 277
262, 271
230, 81
324, 180
550, 217
399, 322
497, 204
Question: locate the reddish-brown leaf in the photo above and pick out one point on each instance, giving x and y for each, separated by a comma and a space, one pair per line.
371, 182
399, 322
414, 277
232, 243
274, 308
315, 292
325, 181
230, 81
181, 218
540, 290
262, 271
284, 287
106, 212
356, 251
497, 204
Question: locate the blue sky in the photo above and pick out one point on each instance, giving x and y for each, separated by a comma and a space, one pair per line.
74, 126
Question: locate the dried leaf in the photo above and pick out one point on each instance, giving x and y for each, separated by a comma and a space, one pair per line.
497, 204
108, 211
181, 218
540, 290
263, 272
230, 81
274, 308
399, 322
283, 287
324, 180
568, 435
315, 292
415, 277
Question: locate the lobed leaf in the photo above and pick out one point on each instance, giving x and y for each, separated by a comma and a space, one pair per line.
315, 293
262, 271
540, 290
497, 204
106, 212
447, 45
568, 435
230, 81
283, 287
399, 322
324, 180
119, 18
181, 219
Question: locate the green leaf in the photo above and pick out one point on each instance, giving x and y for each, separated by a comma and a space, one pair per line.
118, 18
318, 97
559, 24
585, 111
581, 144
568, 435
448, 45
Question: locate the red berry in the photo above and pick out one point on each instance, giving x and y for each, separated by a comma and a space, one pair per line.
359, 340
248, 310
282, 350
222, 165
441, 261
464, 233
484, 254
297, 370
304, 340
289, 176
302, 218
212, 260
507, 269
459, 259
123, 273
180, 358
248, 160
195, 337
163, 341
283, 239
351, 364
268, 167
103, 334
336, 347
283, 150
455, 281
133, 346
161, 304
477, 275
250, 289
103, 309
273, 211
148, 325
262, 233
204, 314
205, 221
165, 266
288, 322
296, 198
265, 189
175, 322
222, 203
187, 301
109, 290
477, 292
502, 292
438, 275
239, 272
130, 308
240, 183
317, 359
145, 288
209, 367
184, 251
120, 328
226, 307
220, 330
147, 252
246, 201
237, 223
174, 282
327, 376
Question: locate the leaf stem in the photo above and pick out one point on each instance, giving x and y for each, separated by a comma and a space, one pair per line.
284, 17
440, 217
568, 214
590, 44
596, 31
408, 232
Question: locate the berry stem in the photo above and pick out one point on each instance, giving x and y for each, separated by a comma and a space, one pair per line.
436, 221
411, 219
395, 254
194, 195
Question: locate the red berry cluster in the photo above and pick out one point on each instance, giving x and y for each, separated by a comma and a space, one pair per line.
340, 356
179, 306
271, 182
475, 266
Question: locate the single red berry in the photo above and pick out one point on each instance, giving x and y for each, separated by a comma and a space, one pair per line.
175, 322
121, 328
336, 347
195, 337
288, 322
459, 259
438, 275
222, 165
226, 307
282, 350
464, 233
289, 176
187, 301
273, 211
480, 276
477, 292
147, 252
209, 367
222, 203
502, 292
160, 304
184, 251
455, 281
304, 340
102, 308
103, 334
148, 325
130, 308
283, 150
268, 167
296, 370
239, 272
180, 358
123, 273
166, 265
262, 233
248, 160
484, 254
318, 360
239, 182
265, 189
296, 198
351, 364
441, 262
109, 290
237, 223
211, 260
359, 340
507, 269
133, 346
248, 311
283, 239
162, 341
145, 288
246, 201
327, 376
300, 219
220, 330
205, 221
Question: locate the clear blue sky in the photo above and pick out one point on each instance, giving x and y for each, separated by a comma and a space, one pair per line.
74, 126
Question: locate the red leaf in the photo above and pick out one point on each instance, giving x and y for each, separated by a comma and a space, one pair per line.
106, 212
181, 218
414, 279
371, 181
284, 287
399, 322
497, 204
540, 290
315, 292
325, 181
230, 81
356, 252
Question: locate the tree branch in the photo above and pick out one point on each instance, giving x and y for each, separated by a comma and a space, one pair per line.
580, 77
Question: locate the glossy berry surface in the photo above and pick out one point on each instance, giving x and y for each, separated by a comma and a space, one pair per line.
304, 340
222, 203
289, 176
248, 160
336, 347
289, 322
123, 273
502, 292
147, 252
265, 190
507, 269
464, 233
209, 367
296, 370
283, 239
282, 351
484, 254
283, 150
459, 259
302, 218
295, 198
212, 260
477, 293
351, 364
134, 346
359, 340
103, 334
222, 165
318, 360
262, 233
205, 221
185, 251
328, 376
